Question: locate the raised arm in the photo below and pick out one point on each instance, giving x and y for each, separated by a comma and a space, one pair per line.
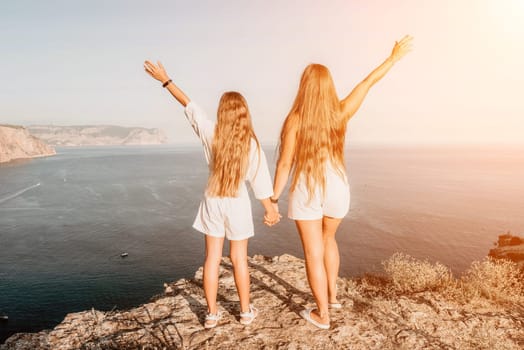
159, 73
352, 102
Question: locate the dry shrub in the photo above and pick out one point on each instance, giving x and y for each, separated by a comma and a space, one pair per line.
494, 279
487, 336
411, 275
348, 288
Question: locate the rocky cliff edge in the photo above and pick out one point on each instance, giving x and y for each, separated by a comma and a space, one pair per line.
415, 305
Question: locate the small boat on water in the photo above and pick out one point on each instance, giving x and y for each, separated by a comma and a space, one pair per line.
4, 317
123, 255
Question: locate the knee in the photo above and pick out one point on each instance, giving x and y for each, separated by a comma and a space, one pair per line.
314, 254
329, 240
212, 260
238, 260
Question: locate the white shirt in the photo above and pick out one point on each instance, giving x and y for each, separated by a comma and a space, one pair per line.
257, 170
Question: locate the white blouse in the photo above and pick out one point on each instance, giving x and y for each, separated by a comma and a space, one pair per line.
257, 171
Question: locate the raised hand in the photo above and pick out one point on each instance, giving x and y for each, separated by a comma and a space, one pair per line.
401, 48
157, 71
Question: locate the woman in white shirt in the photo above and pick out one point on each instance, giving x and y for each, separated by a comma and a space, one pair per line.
312, 150
234, 156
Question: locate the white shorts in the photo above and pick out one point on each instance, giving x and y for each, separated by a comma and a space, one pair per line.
335, 202
228, 216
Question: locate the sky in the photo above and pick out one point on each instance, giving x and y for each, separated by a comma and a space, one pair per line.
81, 62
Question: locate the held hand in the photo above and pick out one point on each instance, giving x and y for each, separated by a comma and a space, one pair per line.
272, 217
157, 71
401, 48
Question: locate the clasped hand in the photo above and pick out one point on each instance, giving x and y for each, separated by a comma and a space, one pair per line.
272, 217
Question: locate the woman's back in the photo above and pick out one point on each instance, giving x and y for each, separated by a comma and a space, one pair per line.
318, 127
255, 169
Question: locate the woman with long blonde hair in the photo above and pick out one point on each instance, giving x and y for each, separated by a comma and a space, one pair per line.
234, 155
312, 150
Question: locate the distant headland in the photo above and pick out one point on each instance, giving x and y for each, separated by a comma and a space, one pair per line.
19, 142
97, 135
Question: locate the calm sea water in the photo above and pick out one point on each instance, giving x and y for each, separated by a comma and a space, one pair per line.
65, 220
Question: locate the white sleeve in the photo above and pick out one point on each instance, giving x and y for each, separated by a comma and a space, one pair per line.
258, 173
203, 127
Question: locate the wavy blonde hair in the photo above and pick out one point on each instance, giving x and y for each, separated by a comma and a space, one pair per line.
320, 129
231, 146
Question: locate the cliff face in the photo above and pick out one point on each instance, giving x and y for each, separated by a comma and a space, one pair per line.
377, 313
16, 142
97, 135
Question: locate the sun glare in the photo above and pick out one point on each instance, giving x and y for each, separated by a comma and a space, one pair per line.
510, 13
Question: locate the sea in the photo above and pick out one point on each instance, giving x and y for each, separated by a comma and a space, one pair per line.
66, 220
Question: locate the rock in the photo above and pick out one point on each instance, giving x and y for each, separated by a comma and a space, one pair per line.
98, 135
372, 317
23, 341
509, 247
16, 142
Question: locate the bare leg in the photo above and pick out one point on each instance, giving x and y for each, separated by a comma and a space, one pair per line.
238, 253
311, 235
211, 265
331, 255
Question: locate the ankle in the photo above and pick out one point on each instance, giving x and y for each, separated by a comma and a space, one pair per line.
332, 297
324, 316
246, 312
245, 309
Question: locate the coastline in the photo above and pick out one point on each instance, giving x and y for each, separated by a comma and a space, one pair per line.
28, 158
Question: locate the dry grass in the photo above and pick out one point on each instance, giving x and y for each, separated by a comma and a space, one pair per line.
410, 275
495, 280
498, 280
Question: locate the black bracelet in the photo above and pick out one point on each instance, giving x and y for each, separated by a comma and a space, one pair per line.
274, 201
167, 83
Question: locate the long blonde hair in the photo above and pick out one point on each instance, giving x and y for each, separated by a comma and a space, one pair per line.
231, 146
320, 130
